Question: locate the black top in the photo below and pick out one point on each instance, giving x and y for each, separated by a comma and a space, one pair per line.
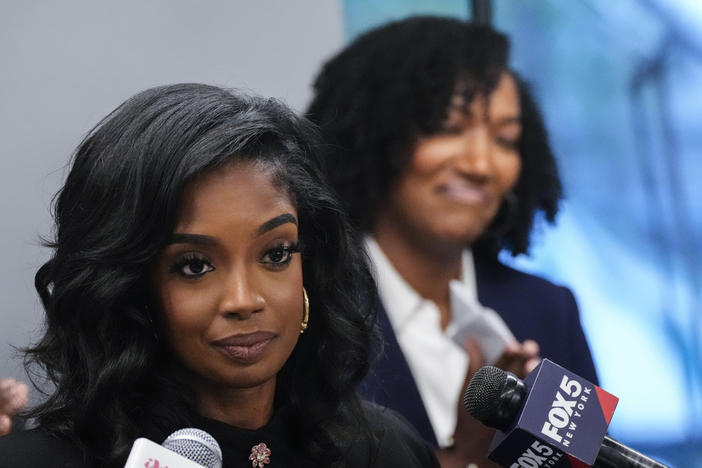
397, 446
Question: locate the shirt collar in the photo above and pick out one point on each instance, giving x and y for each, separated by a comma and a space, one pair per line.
468, 273
398, 297
400, 300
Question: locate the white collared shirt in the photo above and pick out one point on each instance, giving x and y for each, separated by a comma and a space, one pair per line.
438, 364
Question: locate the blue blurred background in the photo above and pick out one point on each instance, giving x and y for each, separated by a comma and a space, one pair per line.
620, 84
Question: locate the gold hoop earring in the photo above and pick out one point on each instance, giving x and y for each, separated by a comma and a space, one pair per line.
306, 317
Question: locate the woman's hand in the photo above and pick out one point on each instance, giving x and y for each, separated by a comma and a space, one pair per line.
519, 358
13, 397
471, 437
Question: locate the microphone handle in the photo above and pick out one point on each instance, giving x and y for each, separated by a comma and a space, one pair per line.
614, 454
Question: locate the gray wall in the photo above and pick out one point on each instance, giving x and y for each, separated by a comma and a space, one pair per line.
64, 65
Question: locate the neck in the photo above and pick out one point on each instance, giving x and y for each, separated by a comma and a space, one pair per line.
427, 268
247, 408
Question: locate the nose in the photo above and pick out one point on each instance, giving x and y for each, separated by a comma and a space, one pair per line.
240, 298
476, 153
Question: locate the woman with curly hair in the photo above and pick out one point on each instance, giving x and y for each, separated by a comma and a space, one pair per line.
204, 276
440, 155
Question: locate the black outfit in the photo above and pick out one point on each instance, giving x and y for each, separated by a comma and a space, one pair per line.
398, 445
532, 307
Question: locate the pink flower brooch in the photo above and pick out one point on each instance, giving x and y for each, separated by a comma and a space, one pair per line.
260, 455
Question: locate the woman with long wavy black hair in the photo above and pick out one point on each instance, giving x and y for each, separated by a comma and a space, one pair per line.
203, 276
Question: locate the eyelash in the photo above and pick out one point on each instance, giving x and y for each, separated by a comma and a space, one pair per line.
287, 250
509, 143
189, 260
451, 130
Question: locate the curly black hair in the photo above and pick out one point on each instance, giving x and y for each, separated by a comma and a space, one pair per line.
392, 86
114, 379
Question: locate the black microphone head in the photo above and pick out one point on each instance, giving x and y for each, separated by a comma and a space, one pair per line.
480, 398
494, 397
196, 445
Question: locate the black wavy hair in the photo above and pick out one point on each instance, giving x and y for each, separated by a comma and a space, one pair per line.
114, 380
392, 86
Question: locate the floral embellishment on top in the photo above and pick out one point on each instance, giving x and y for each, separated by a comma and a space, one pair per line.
260, 455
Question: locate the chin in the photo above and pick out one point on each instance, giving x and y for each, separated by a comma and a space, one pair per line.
247, 378
462, 233
453, 239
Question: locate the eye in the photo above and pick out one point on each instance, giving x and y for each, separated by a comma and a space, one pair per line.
508, 135
508, 143
451, 130
280, 255
192, 266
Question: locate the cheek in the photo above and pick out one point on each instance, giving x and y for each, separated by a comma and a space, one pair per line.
415, 184
284, 296
509, 168
431, 154
185, 312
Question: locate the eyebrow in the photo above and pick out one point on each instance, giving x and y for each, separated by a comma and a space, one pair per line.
183, 238
517, 119
274, 223
511, 119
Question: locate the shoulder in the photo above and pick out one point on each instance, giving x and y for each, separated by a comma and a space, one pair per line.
535, 308
501, 286
396, 442
37, 447
493, 271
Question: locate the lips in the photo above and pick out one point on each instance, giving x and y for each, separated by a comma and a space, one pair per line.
245, 348
466, 192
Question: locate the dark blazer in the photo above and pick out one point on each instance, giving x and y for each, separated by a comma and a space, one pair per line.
532, 307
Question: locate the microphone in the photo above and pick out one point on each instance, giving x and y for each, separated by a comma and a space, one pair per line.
185, 448
552, 418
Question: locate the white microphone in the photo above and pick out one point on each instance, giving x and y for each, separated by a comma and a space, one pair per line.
185, 448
